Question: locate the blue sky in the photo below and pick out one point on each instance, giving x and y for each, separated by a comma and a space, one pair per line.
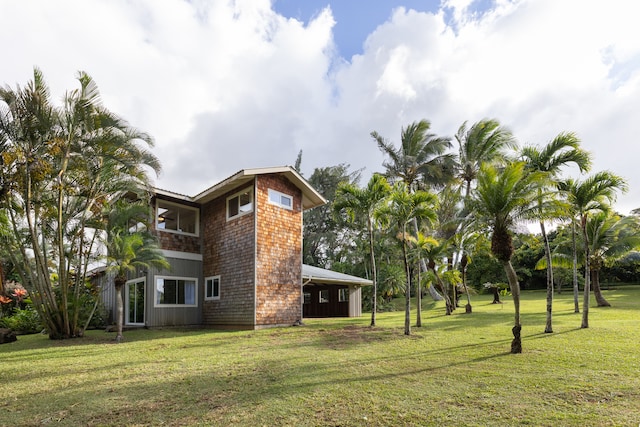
355, 19
224, 85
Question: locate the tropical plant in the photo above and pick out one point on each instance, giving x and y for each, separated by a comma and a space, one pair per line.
484, 142
403, 208
421, 162
611, 237
364, 203
592, 195
129, 247
435, 253
502, 198
61, 167
562, 151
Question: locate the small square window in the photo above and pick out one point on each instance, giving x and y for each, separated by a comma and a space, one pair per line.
212, 288
343, 294
280, 199
324, 296
307, 298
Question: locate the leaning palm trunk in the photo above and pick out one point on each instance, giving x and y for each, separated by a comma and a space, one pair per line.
547, 253
597, 292
516, 344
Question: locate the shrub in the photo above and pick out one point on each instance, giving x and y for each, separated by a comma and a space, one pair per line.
25, 321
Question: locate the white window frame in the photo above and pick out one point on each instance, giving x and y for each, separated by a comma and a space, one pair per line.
206, 288
181, 206
156, 293
240, 212
343, 292
276, 197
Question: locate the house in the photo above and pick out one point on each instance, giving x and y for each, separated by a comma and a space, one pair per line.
235, 252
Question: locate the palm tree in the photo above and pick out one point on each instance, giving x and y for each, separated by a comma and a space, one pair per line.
611, 237
403, 208
502, 198
434, 252
594, 194
363, 203
484, 142
563, 150
129, 246
420, 162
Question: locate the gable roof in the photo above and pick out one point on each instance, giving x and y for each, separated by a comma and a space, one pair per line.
328, 277
310, 197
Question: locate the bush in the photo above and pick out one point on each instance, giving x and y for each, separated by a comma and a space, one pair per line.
25, 321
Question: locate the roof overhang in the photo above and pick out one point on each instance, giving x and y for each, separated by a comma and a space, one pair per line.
310, 197
311, 274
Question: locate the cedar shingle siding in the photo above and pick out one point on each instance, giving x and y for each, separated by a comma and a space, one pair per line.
228, 251
279, 254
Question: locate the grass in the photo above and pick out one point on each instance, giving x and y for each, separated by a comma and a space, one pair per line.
455, 370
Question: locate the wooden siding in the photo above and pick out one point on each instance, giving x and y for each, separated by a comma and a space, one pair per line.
228, 250
278, 254
333, 307
174, 316
176, 241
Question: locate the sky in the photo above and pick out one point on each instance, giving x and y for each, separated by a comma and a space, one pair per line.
224, 85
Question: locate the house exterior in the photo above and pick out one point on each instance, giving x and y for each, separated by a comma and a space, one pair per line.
235, 252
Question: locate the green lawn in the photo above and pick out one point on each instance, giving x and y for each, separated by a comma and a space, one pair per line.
455, 370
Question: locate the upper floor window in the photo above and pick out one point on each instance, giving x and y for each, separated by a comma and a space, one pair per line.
280, 199
240, 203
176, 218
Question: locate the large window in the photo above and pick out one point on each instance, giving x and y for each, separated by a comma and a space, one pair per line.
240, 203
280, 199
173, 291
212, 288
176, 218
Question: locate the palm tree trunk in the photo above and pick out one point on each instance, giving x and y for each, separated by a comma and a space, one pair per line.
119, 310
374, 274
463, 270
597, 292
547, 253
514, 285
587, 285
576, 290
407, 292
419, 301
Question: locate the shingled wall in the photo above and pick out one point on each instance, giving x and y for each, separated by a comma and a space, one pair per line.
228, 251
279, 254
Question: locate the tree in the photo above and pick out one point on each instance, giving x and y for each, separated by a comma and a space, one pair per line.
129, 246
611, 237
421, 162
502, 198
592, 195
484, 142
403, 208
61, 168
563, 150
324, 233
364, 203
435, 252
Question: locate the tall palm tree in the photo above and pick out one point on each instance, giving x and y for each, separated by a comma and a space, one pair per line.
502, 198
129, 247
363, 203
562, 151
403, 208
592, 195
484, 142
611, 237
421, 162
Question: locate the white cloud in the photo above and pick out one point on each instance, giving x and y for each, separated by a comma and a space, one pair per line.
223, 85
